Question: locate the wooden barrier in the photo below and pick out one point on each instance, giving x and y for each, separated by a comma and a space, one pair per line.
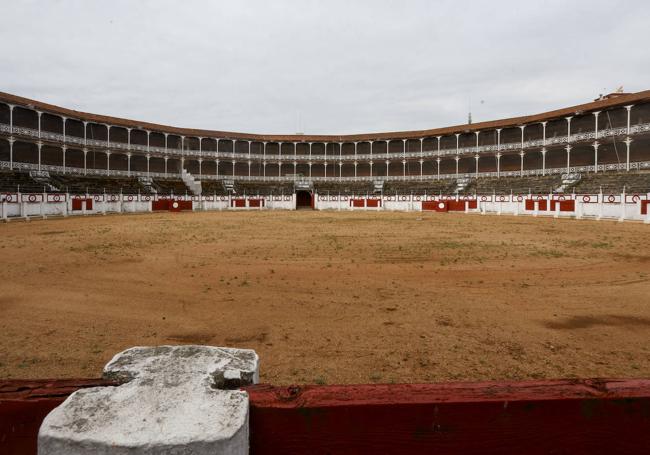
560, 416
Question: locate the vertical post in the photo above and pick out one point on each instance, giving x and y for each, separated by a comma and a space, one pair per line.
498, 155
543, 161
457, 160
85, 150
11, 119
108, 161
128, 164
40, 144
595, 144
63, 150
544, 134
568, 159
148, 157
63, 119
629, 110
166, 158
11, 152
568, 129
148, 134
438, 161
476, 158
628, 141
521, 170
522, 128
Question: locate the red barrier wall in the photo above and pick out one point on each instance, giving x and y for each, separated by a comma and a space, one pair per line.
373, 203
238, 203
542, 417
456, 206
565, 206
160, 205
531, 417
530, 204
644, 207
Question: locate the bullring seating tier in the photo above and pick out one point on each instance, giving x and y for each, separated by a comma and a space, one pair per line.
262, 188
213, 187
14, 181
170, 186
343, 187
517, 185
637, 182
420, 187
82, 184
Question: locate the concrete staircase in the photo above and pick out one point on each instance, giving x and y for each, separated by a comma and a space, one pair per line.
568, 182
192, 184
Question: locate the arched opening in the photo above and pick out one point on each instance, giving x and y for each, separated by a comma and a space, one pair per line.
304, 200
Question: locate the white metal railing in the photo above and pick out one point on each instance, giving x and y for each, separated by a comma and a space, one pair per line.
330, 159
640, 165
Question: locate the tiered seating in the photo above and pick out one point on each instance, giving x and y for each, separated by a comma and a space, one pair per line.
81, 184
343, 187
14, 181
215, 187
420, 187
171, 186
518, 185
262, 188
637, 182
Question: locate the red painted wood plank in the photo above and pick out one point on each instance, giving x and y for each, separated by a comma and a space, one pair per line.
589, 416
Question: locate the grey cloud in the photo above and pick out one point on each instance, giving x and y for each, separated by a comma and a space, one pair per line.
345, 66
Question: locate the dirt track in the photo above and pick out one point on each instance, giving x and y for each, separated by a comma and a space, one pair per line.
331, 297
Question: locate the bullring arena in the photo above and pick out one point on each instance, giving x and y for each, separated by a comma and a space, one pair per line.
506, 250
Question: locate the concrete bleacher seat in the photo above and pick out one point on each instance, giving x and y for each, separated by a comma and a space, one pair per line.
262, 188
343, 187
420, 187
81, 184
630, 182
14, 181
518, 185
170, 186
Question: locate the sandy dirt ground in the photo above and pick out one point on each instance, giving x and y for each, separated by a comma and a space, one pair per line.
331, 297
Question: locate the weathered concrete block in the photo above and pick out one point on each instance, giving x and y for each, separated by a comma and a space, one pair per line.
173, 400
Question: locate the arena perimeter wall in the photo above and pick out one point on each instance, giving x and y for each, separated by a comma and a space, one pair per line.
622, 207
554, 416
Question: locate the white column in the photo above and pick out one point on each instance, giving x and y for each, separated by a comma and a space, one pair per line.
498, 155
166, 135
543, 161
38, 113
521, 171
128, 164
387, 167
39, 145
568, 129
201, 168
11, 152
166, 158
11, 119
595, 144
627, 141
148, 137
522, 128
568, 159
148, 158
457, 160
476, 158
629, 110
498, 139
85, 150
457, 143
544, 134
85, 133
438, 161
63, 119
108, 162
63, 150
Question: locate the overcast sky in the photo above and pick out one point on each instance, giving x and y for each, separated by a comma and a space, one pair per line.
340, 66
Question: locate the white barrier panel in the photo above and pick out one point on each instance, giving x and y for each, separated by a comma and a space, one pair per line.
607, 206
